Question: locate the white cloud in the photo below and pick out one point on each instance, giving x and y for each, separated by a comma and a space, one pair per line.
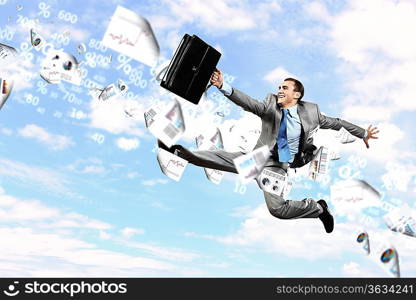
241, 134
21, 71
53, 141
91, 169
241, 211
354, 269
54, 241
128, 232
88, 166
132, 175
104, 235
110, 116
398, 176
360, 24
11, 209
389, 146
199, 116
152, 182
225, 15
28, 174
172, 40
75, 220
277, 75
367, 113
261, 231
318, 11
127, 144
351, 269
76, 34
306, 239
46, 30
165, 253
378, 70
80, 255
6, 131
160, 205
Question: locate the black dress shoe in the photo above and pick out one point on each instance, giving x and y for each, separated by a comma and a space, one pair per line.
172, 149
164, 147
326, 217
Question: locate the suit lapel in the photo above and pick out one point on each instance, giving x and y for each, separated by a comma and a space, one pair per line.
304, 118
278, 114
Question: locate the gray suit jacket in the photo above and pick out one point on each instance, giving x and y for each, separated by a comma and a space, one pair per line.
310, 117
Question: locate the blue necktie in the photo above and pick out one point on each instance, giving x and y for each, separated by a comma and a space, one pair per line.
281, 140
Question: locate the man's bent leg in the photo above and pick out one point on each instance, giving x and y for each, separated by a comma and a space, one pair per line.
291, 209
216, 159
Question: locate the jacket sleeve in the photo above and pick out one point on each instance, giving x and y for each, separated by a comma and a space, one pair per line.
326, 122
247, 103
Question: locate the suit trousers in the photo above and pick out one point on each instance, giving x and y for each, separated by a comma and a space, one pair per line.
277, 205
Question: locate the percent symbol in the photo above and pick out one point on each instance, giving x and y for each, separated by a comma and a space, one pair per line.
42, 87
25, 49
124, 64
44, 10
90, 57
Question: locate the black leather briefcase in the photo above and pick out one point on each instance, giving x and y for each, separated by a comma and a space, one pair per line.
190, 69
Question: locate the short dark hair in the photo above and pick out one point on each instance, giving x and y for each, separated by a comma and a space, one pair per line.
298, 86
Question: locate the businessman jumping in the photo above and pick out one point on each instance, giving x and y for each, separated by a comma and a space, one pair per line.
288, 124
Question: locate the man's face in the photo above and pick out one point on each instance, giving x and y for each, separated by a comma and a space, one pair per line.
286, 93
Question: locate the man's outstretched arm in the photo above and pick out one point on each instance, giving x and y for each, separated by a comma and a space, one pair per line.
326, 122
239, 98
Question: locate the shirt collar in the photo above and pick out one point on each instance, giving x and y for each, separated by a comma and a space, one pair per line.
293, 110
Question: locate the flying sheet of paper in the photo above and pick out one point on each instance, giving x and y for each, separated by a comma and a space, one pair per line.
166, 122
5, 90
7, 54
398, 222
364, 239
241, 135
287, 188
109, 91
320, 164
344, 136
389, 259
36, 40
211, 142
250, 165
354, 191
350, 197
59, 66
334, 155
274, 183
130, 34
213, 175
171, 165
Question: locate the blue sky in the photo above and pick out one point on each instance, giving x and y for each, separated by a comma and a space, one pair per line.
82, 193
